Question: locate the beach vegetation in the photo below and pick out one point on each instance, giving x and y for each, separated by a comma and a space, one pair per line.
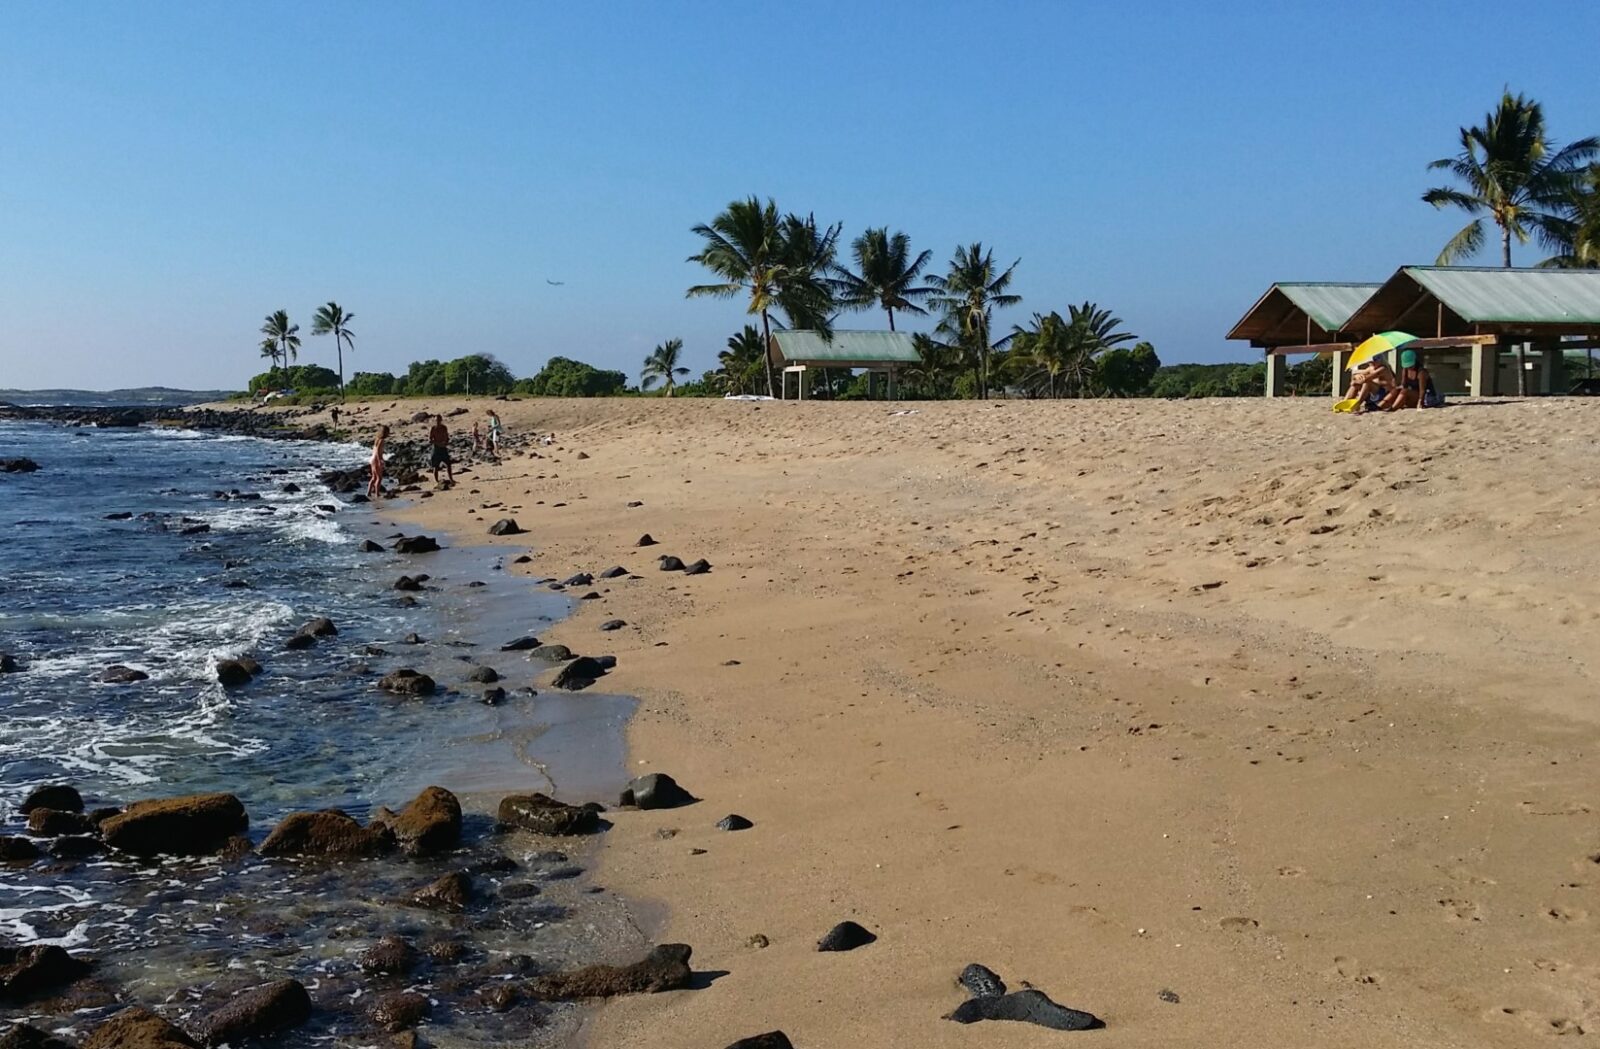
563, 377
968, 293
886, 275
284, 335
662, 366
331, 319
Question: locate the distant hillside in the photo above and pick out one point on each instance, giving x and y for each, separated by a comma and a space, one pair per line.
152, 396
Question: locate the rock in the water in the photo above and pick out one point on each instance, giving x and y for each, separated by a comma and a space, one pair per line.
390, 955
580, 673
260, 1011
117, 674
494, 696
665, 968
407, 682
290, 488
18, 466
416, 544
656, 791
299, 641
545, 815
321, 626
770, 1040
1030, 1006
734, 822
450, 893
645, 540
413, 638
24, 1036
329, 833
614, 572
76, 847
138, 1028
14, 849
9, 664
405, 582
400, 1011
981, 981
521, 644
700, 567
193, 825
505, 526
551, 653
484, 675
846, 936
670, 564
50, 823
429, 824
612, 624
60, 797
369, 547
234, 672
32, 972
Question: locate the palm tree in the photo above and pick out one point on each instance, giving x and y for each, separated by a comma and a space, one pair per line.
1044, 352
333, 320
885, 276
779, 263
662, 366
1511, 174
740, 364
286, 336
968, 294
1580, 238
938, 365
269, 350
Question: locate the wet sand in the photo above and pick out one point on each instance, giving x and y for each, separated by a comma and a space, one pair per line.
1287, 714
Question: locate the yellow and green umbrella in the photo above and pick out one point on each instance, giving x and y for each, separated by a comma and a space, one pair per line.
1380, 343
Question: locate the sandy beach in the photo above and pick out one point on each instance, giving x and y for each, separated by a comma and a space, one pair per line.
1230, 722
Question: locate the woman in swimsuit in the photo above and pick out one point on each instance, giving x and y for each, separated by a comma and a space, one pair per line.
375, 486
494, 432
1414, 388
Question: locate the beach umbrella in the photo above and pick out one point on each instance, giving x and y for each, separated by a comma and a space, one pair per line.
1380, 343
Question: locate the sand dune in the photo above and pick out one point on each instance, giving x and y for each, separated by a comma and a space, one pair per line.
1287, 716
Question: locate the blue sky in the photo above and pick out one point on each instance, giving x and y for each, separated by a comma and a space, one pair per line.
171, 172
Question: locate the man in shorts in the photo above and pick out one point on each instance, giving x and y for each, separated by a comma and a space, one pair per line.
439, 450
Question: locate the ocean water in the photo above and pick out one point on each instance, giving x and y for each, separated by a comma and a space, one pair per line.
80, 592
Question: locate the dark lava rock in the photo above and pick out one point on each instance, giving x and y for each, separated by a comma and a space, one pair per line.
665, 968
494, 696
120, 515
76, 847
452, 892
9, 664
505, 526
233, 672
118, 674
846, 936
416, 544
484, 675
399, 1011
581, 579
407, 682
429, 824
22, 1036
49, 823
103, 813
192, 825
329, 833
290, 489
734, 822
580, 673
60, 797
545, 815
1034, 1007
499, 997
612, 624
27, 973
413, 638
671, 564
656, 791
645, 540
700, 567
614, 572
522, 559
447, 951
551, 653
981, 981
250, 666
321, 626
405, 582
138, 1028
369, 547
257, 1012
14, 849
390, 955
521, 644
770, 1040
198, 529
519, 890
299, 641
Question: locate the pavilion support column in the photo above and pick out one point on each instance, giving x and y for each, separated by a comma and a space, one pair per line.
1550, 362
1277, 367
1341, 358
1485, 371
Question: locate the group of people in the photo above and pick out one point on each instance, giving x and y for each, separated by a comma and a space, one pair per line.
438, 449
1375, 386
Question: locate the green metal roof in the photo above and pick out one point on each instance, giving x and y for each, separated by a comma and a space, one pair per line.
857, 348
1485, 295
1279, 317
1329, 304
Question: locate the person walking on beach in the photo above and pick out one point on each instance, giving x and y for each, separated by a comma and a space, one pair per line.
495, 431
439, 450
375, 486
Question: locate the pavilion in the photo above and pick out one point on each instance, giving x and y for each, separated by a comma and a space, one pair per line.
875, 352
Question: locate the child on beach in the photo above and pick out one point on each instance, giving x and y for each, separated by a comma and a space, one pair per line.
1413, 387
494, 432
375, 486
477, 437
439, 450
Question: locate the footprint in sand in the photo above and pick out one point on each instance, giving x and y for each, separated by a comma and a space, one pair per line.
1348, 969
1534, 1022
1291, 872
1566, 915
1461, 910
1238, 924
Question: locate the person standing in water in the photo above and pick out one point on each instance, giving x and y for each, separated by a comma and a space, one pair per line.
439, 450
375, 486
495, 431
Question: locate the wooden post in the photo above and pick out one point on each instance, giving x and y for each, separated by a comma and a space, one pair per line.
1276, 377
1340, 359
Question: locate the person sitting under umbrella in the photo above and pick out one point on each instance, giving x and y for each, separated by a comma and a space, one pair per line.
1414, 388
1370, 382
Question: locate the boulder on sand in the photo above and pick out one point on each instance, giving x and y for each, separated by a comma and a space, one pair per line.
32, 972
57, 796
258, 1012
665, 968
846, 936
545, 815
429, 824
138, 1028
1030, 1006
670, 564
505, 526
656, 791
416, 544
407, 682
330, 833
770, 1040
521, 644
192, 825
580, 673
551, 653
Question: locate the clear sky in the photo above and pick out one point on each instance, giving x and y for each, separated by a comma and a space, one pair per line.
171, 172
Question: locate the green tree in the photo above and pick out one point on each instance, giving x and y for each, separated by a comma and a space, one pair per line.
1043, 354
968, 294
662, 366
1509, 173
778, 263
1127, 373
371, 384
284, 336
333, 320
934, 375
479, 372
741, 365
885, 275
563, 377
269, 350
1580, 234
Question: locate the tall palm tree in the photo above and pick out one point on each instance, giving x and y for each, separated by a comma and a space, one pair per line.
1580, 238
969, 293
1510, 173
885, 274
285, 335
333, 320
1044, 352
269, 350
662, 366
780, 263
740, 364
